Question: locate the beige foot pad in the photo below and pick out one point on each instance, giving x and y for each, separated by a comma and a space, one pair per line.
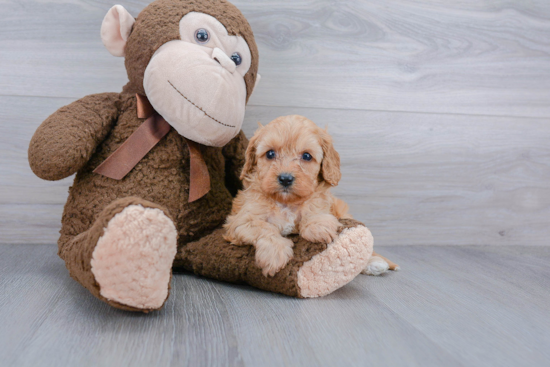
340, 263
132, 261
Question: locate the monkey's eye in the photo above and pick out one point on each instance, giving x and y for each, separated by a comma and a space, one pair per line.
306, 156
237, 59
202, 36
270, 154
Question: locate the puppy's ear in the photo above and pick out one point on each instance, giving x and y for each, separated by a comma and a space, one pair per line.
250, 155
330, 166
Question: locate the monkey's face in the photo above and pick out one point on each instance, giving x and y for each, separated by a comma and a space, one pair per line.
197, 83
195, 73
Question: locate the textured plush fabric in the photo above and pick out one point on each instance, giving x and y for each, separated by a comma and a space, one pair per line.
342, 261
155, 26
211, 87
133, 259
212, 257
80, 136
77, 252
65, 142
77, 138
162, 177
115, 29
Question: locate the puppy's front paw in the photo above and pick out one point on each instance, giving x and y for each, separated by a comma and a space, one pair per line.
273, 253
323, 229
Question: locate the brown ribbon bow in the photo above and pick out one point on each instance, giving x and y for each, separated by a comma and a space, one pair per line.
147, 135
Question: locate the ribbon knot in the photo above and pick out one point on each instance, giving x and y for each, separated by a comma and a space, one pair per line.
146, 136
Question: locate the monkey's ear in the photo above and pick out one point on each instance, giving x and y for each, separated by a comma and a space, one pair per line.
115, 29
258, 78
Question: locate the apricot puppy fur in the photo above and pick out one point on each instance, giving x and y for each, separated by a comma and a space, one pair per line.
290, 167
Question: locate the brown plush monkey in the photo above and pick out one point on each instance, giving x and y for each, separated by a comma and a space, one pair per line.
158, 164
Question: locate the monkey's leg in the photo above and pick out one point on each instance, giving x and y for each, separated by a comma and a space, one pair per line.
125, 258
315, 270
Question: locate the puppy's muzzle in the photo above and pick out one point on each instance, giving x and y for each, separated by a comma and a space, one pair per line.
286, 179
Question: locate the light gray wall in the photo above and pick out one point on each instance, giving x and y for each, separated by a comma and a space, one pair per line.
440, 110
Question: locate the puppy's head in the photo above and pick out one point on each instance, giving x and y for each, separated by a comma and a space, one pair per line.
290, 157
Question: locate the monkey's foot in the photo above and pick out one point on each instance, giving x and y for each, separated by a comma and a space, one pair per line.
132, 261
339, 264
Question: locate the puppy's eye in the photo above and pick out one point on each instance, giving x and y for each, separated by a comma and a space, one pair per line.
237, 59
202, 36
306, 156
270, 154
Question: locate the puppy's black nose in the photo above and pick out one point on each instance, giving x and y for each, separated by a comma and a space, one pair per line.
286, 179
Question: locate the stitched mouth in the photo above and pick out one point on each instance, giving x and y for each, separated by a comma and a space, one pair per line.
197, 107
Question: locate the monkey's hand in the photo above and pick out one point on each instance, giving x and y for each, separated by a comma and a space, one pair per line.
64, 143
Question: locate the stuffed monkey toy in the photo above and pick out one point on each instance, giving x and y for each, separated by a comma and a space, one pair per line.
158, 164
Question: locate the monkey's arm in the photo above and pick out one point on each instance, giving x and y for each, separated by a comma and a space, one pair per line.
66, 140
234, 161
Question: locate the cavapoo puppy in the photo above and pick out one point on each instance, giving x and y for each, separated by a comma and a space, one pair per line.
290, 167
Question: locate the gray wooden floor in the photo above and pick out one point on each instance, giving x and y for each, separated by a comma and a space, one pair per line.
449, 306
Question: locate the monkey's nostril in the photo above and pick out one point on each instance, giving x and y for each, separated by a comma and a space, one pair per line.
218, 61
224, 60
286, 179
